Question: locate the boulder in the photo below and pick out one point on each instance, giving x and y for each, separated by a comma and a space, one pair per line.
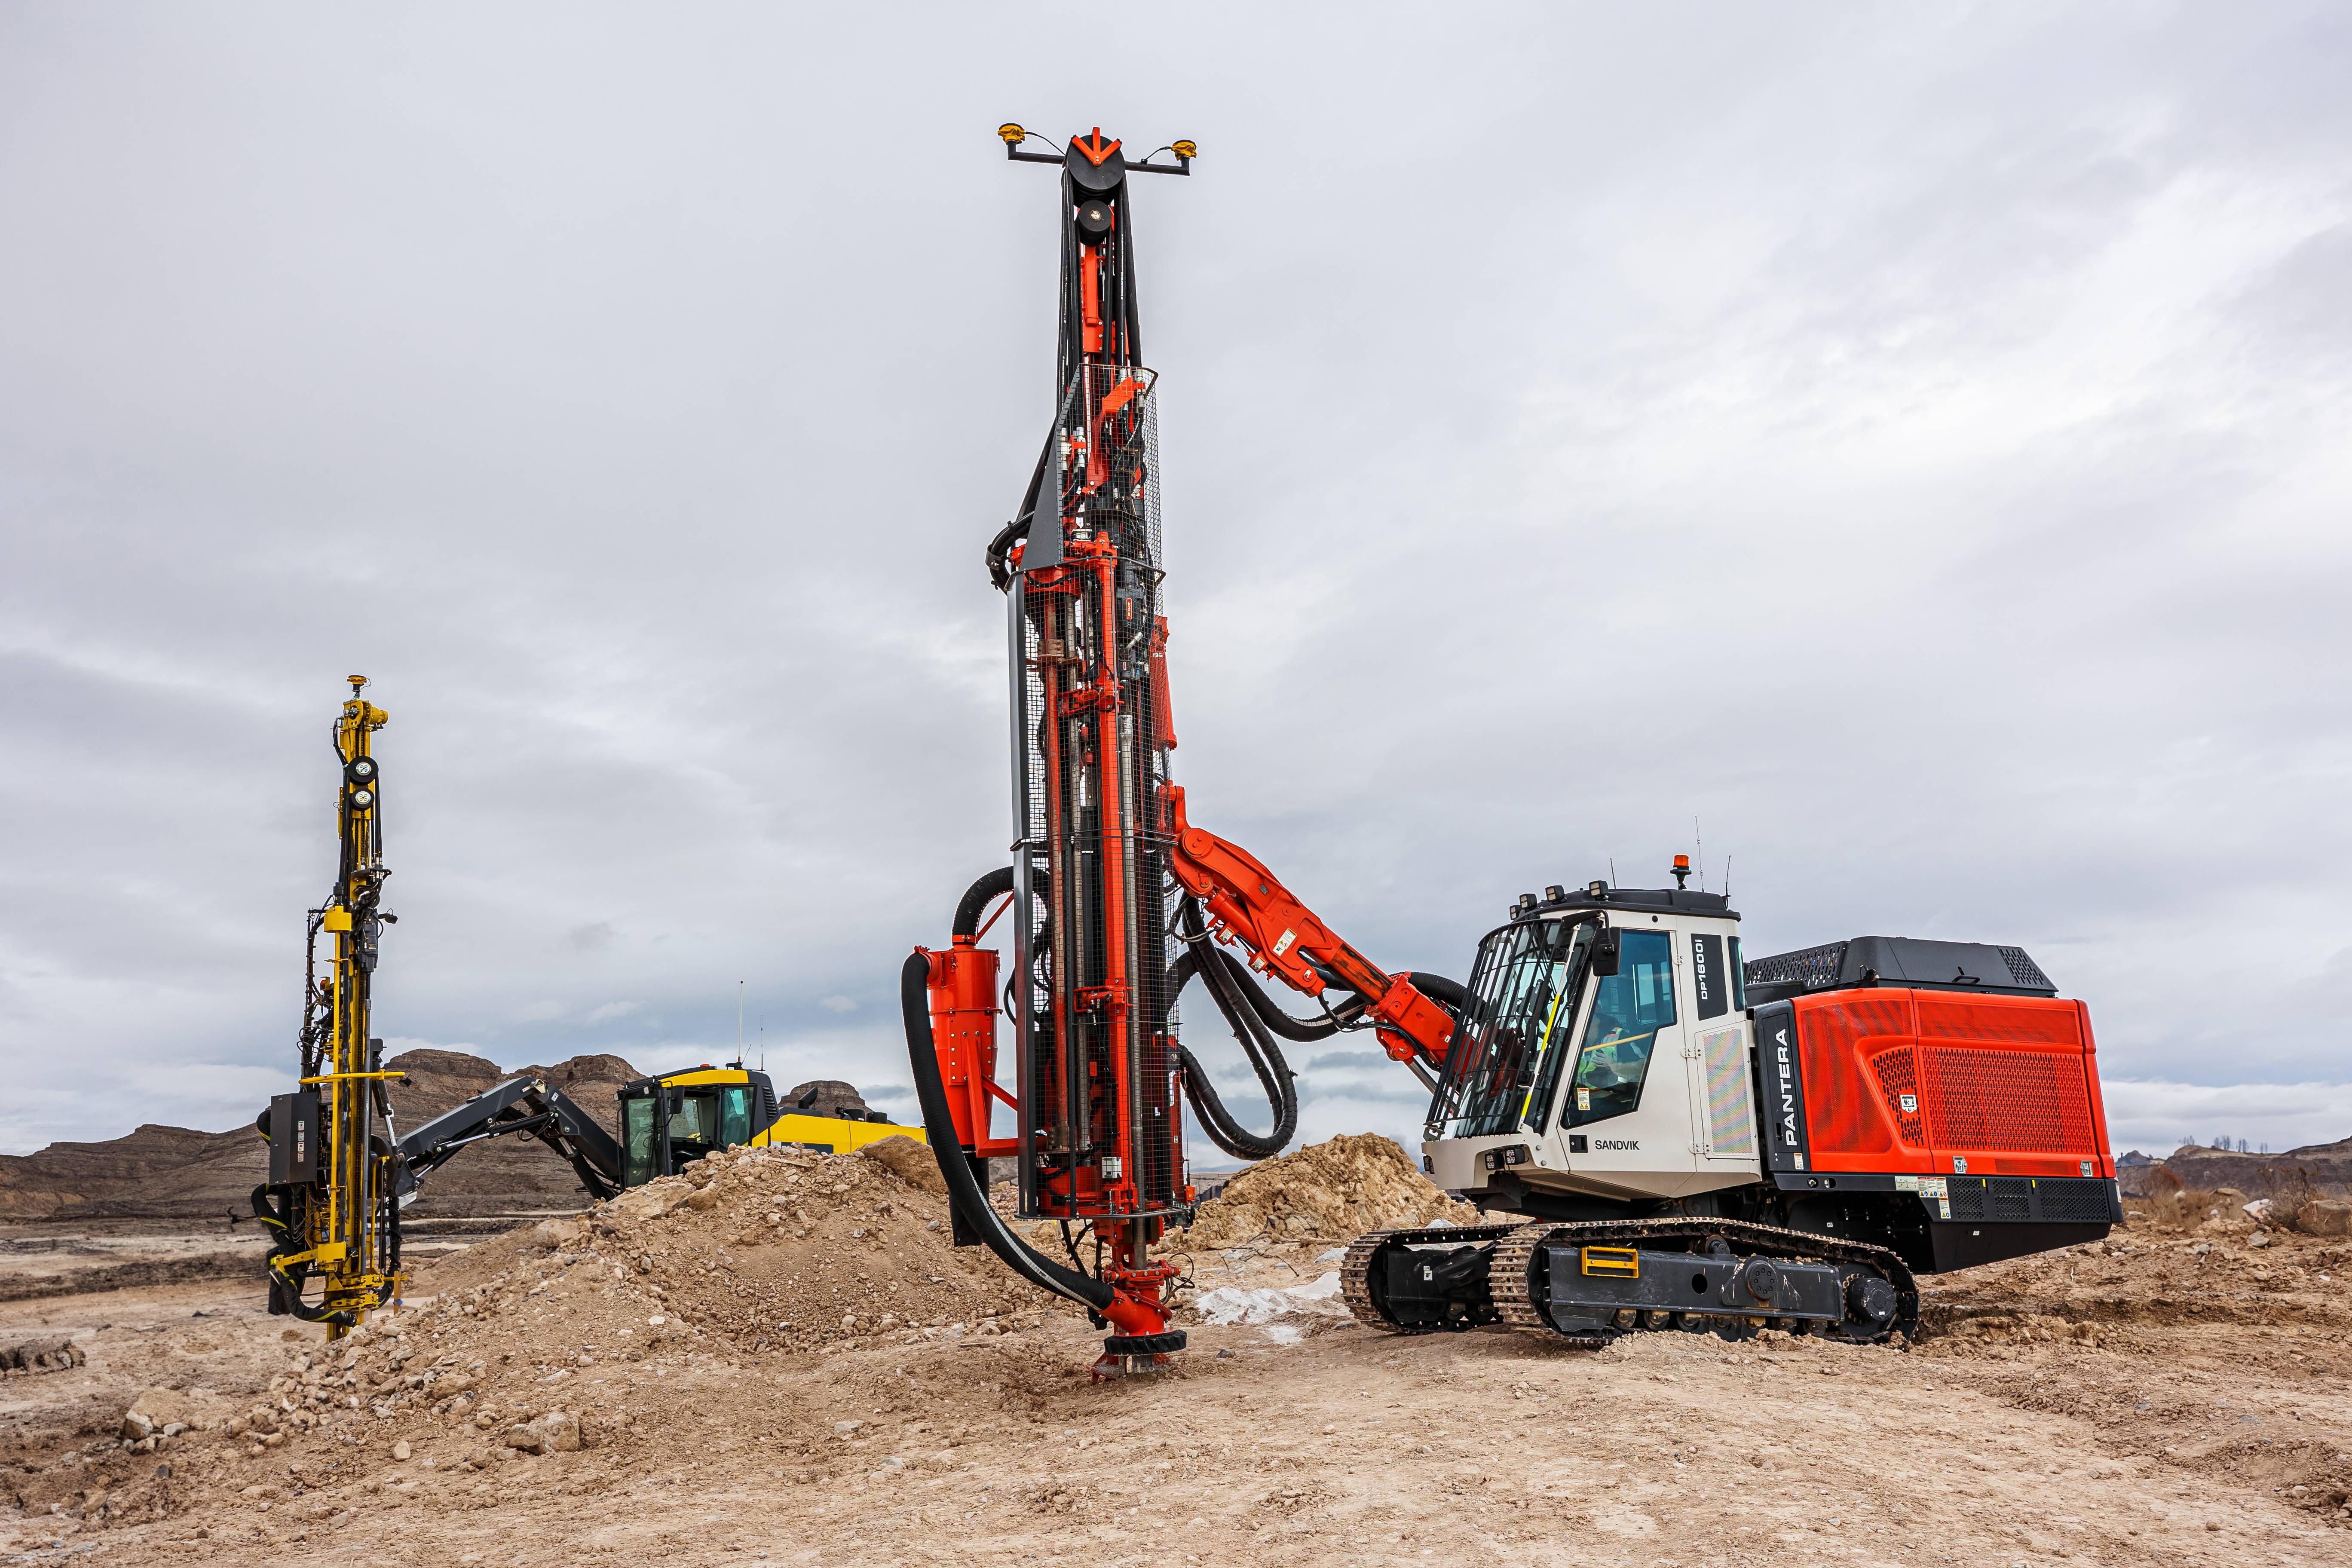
556, 1233
653, 1200
909, 1160
157, 1410
41, 1355
2324, 1216
557, 1432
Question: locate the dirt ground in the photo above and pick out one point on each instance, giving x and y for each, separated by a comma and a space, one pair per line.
790, 1364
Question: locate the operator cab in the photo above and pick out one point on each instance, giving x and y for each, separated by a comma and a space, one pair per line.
1603, 1055
669, 1122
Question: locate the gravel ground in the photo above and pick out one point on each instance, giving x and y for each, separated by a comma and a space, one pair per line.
2144, 1401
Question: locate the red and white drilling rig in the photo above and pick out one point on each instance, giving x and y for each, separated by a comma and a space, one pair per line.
1687, 1140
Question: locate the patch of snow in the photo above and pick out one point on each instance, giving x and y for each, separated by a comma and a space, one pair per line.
1231, 1304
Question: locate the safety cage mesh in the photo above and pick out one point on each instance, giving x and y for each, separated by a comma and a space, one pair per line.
1096, 1021
1811, 967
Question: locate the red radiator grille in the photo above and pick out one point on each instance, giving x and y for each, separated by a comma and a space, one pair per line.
1898, 1075
2023, 1102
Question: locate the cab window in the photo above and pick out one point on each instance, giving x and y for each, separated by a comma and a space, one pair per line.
735, 1115
1629, 1009
695, 1123
637, 1141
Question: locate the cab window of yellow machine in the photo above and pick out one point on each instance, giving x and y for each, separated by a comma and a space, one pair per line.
1629, 1009
735, 1115
637, 1140
691, 1121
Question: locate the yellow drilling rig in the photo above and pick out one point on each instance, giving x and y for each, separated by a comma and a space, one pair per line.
341, 1172
331, 1203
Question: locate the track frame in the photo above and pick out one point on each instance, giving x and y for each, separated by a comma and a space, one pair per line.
1516, 1292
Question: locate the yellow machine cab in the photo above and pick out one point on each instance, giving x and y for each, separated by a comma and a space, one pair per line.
672, 1120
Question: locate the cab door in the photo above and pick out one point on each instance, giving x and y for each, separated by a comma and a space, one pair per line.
1626, 1113
1723, 1120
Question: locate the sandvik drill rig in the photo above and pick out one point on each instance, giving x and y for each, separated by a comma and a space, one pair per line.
1108, 879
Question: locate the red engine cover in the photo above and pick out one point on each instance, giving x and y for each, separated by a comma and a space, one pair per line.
1943, 1082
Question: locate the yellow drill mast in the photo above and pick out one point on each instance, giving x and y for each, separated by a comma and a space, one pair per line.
329, 1200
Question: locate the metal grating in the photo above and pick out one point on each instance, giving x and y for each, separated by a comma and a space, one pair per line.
2023, 970
1898, 1074
1811, 967
1504, 1067
2059, 1200
2024, 1102
2077, 1201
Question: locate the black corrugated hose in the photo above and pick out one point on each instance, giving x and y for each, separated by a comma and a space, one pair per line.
1244, 1008
963, 1188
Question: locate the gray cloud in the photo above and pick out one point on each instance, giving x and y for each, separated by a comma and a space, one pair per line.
1910, 442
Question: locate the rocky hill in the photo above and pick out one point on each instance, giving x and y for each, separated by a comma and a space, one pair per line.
153, 1172
2324, 1168
193, 1178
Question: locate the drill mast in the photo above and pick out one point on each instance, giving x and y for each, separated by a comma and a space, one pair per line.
331, 1200
1100, 1138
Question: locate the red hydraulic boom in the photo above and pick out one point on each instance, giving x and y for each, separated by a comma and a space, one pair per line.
1118, 900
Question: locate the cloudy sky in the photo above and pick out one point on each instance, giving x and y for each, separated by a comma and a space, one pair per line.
1909, 440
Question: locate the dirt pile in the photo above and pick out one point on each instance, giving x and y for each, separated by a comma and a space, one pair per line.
776, 1249
561, 1336
1337, 1190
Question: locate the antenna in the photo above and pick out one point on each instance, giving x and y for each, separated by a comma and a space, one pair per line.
1700, 843
1726, 879
1612, 870
763, 1042
738, 1023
